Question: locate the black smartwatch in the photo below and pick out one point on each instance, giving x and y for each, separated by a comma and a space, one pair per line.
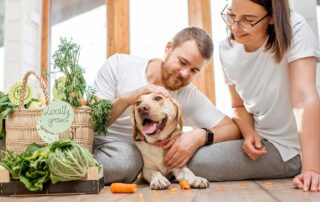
209, 136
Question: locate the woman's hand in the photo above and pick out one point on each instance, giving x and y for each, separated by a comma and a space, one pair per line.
307, 181
253, 147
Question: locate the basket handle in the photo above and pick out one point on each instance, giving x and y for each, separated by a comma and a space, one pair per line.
24, 84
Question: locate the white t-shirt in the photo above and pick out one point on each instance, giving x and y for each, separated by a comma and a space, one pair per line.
124, 73
264, 85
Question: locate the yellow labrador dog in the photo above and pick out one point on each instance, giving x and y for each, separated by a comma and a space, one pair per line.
156, 119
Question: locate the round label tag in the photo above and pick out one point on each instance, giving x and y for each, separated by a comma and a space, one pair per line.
14, 93
44, 134
57, 117
58, 88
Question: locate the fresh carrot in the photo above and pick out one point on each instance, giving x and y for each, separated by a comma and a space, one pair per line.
83, 102
123, 188
184, 184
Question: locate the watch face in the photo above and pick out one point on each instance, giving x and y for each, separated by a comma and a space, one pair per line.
209, 136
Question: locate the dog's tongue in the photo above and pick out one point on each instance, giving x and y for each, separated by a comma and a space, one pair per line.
149, 128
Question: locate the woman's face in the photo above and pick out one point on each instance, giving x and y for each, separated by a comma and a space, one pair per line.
248, 12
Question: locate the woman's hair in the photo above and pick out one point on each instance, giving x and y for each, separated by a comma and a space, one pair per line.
198, 35
279, 33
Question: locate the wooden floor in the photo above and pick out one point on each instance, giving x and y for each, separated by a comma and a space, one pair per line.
257, 191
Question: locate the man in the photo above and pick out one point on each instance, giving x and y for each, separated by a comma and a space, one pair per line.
123, 79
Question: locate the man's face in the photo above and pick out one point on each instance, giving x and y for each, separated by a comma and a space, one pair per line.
181, 65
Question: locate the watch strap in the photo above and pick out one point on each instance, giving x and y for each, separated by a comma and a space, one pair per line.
209, 136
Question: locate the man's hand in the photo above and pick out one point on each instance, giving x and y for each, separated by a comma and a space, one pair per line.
183, 147
307, 181
132, 97
253, 147
121, 103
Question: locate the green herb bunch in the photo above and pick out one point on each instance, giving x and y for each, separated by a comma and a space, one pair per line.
100, 113
6, 108
65, 59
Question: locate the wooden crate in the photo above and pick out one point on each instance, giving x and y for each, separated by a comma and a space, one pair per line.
92, 185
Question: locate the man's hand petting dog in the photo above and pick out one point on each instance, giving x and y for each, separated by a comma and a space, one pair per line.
132, 97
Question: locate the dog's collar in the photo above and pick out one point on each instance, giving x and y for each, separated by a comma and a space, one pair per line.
159, 143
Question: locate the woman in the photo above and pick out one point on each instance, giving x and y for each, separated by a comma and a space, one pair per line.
269, 62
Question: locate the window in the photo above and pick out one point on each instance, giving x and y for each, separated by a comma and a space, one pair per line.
84, 22
223, 100
154, 24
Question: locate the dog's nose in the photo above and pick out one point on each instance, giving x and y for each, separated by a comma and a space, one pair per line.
144, 108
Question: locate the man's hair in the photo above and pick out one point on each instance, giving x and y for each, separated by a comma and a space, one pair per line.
198, 35
280, 32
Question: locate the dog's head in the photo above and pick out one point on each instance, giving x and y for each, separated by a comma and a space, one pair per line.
155, 117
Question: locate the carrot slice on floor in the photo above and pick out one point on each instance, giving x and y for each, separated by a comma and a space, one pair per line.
184, 184
123, 188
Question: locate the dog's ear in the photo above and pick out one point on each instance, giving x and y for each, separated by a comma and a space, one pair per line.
136, 133
179, 117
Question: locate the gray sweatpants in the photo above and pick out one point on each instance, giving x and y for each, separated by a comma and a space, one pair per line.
226, 161
121, 159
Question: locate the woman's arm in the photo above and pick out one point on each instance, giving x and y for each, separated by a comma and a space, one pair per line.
240, 115
306, 106
252, 142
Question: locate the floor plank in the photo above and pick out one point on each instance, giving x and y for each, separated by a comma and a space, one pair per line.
244, 191
282, 190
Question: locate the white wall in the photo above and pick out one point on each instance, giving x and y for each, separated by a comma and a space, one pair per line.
309, 11
22, 39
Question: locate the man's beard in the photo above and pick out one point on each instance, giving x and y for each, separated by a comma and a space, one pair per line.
165, 78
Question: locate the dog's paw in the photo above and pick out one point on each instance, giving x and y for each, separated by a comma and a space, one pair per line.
159, 183
198, 182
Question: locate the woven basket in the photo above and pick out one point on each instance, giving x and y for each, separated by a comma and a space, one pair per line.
21, 124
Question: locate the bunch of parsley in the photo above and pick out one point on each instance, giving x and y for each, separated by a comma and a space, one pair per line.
65, 59
100, 113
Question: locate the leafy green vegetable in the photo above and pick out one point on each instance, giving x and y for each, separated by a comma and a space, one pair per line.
2, 129
62, 160
70, 158
34, 169
6, 108
65, 59
30, 167
11, 161
100, 113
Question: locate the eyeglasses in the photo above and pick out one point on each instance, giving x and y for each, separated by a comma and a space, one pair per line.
244, 25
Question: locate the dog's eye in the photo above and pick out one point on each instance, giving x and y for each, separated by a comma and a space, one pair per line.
138, 103
157, 98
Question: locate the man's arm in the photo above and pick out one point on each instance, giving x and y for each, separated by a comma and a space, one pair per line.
184, 146
226, 130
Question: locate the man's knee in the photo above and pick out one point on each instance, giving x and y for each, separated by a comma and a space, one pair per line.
122, 162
